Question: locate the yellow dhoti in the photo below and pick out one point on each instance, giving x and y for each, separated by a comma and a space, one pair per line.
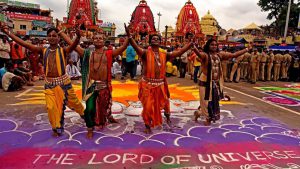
57, 98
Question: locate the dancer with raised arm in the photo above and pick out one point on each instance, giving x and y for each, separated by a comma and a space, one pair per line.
58, 88
211, 79
96, 81
153, 88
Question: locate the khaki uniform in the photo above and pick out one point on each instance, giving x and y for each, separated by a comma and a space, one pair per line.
258, 66
254, 60
263, 62
270, 61
244, 65
283, 67
277, 63
236, 68
289, 60
286, 61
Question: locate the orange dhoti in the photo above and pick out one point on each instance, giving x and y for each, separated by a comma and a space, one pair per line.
153, 88
154, 98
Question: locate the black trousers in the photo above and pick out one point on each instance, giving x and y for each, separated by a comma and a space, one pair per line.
182, 69
3, 61
130, 68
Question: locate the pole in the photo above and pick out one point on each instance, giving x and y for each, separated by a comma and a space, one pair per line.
166, 35
287, 19
159, 15
68, 7
299, 22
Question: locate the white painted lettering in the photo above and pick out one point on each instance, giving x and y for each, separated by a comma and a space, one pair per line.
146, 159
91, 162
117, 156
232, 159
291, 154
54, 158
282, 156
219, 157
258, 155
247, 157
183, 158
208, 161
129, 157
172, 160
39, 156
269, 155
66, 159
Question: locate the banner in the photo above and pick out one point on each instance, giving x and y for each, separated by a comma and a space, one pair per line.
29, 17
37, 33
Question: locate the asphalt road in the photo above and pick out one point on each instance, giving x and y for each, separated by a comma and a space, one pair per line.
242, 92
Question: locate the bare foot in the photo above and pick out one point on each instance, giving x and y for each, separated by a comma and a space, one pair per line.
197, 115
90, 134
167, 115
55, 134
207, 122
147, 131
169, 121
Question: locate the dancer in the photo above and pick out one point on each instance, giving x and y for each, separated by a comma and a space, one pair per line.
58, 88
96, 81
153, 88
211, 79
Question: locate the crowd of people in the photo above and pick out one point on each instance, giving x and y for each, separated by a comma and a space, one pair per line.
256, 65
19, 66
62, 58
266, 65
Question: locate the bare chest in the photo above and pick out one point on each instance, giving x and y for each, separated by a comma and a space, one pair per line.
99, 66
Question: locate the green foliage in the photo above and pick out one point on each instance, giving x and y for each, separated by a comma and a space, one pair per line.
277, 10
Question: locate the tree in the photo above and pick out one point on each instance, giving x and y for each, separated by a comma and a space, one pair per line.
277, 10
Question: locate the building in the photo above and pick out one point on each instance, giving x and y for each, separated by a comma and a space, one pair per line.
188, 22
84, 12
170, 32
28, 18
142, 20
89, 17
209, 25
109, 29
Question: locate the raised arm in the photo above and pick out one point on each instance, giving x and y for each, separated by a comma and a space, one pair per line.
121, 49
75, 43
135, 46
180, 51
66, 38
227, 55
201, 55
20, 41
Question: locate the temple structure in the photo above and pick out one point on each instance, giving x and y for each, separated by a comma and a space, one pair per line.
142, 20
188, 23
170, 32
209, 25
88, 12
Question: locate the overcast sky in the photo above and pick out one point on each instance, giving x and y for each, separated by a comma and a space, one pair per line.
229, 13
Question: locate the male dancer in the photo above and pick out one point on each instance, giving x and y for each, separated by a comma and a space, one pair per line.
58, 88
96, 81
153, 88
212, 79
